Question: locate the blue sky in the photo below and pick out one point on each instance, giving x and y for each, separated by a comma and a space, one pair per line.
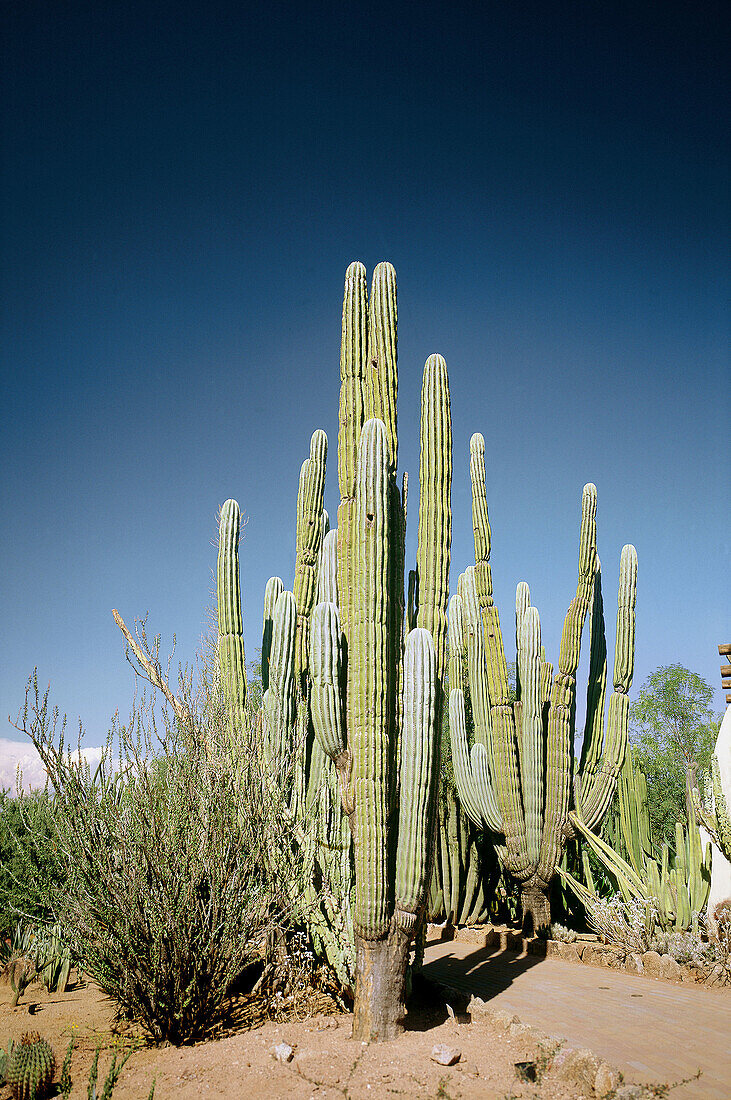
182, 190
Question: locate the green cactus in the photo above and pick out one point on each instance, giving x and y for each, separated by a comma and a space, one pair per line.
717, 821
517, 779
310, 525
231, 654
30, 1068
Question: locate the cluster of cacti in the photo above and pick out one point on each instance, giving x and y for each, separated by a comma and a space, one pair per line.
371, 690
677, 888
459, 891
30, 1067
520, 778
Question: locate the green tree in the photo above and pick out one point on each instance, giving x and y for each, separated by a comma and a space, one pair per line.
674, 728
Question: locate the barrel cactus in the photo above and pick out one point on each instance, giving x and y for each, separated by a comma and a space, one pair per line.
30, 1068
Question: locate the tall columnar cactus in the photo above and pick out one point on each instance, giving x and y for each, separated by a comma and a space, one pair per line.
232, 658
382, 732
310, 525
520, 778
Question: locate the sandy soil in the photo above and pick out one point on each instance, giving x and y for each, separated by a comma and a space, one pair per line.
326, 1063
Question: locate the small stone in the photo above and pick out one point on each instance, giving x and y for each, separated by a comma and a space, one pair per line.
607, 1080
517, 1029
504, 1019
671, 969
634, 964
283, 1052
569, 952
580, 1068
444, 1055
477, 1007
652, 963
630, 1092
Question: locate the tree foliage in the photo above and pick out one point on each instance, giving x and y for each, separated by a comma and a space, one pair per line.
674, 728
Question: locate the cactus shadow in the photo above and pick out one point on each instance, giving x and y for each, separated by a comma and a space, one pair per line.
484, 973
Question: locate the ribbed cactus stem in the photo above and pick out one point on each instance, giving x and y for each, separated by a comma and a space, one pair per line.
522, 603
381, 374
309, 535
232, 658
599, 783
455, 631
327, 580
274, 588
369, 688
435, 514
419, 770
353, 355
561, 713
529, 664
279, 702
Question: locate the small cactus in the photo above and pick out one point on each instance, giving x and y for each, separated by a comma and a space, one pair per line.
31, 1067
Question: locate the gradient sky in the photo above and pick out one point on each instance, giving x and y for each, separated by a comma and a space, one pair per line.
183, 187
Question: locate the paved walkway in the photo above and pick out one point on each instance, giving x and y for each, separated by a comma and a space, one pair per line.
650, 1029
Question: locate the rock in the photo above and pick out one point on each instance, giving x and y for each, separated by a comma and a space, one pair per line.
716, 975
569, 952
444, 1055
607, 1080
580, 1069
504, 1019
652, 963
477, 1007
634, 964
283, 1052
630, 1092
671, 969
517, 1028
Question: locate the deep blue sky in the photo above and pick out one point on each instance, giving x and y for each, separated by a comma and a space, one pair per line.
183, 186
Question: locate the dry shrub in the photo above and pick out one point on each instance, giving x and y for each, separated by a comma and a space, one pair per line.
179, 860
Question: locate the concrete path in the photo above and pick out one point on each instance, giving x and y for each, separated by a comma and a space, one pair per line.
650, 1029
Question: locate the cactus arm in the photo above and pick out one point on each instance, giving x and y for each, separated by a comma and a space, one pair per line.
529, 664
612, 860
381, 371
602, 779
435, 515
476, 670
231, 654
353, 353
309, 535
368, 686
504, 752
477, 804
419, 775
563, 698
455, 634
327, 578
274, 588
596, 691
325, 693
279, 705
522, 603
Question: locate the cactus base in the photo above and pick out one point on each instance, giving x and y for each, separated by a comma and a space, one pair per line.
536, 907
380, 1008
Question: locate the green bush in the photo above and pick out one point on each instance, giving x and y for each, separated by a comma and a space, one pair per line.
30, 868
177, 859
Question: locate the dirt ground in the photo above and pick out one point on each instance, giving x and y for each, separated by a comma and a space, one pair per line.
326, 1063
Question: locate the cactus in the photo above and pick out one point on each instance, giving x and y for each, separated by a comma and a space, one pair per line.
30, 1068
717, 821
310, 526
231, 655
677, 890
517, 778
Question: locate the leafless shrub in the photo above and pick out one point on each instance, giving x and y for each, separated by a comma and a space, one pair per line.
630, 925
